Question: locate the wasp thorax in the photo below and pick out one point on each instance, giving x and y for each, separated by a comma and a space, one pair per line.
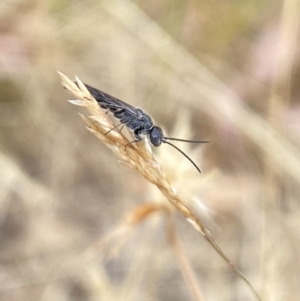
156, 136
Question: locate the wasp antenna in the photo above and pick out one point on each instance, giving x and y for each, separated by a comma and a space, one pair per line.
164, 141
183, 140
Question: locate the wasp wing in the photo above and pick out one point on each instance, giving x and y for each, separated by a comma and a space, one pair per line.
110, 102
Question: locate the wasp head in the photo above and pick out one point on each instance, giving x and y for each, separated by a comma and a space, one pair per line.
156, 136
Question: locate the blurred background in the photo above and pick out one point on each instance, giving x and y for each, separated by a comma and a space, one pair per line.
226, 71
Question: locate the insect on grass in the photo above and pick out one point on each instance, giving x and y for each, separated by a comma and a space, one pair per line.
137, 121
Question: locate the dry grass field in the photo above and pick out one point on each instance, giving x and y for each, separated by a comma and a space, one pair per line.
80, 222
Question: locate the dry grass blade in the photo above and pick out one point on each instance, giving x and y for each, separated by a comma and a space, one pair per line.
139, 158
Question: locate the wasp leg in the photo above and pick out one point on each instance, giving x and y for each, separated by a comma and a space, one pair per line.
113, 128
137, 136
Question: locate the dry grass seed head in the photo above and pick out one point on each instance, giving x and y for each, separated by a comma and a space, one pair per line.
138, 158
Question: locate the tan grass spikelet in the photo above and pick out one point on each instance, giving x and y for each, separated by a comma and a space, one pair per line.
139, 158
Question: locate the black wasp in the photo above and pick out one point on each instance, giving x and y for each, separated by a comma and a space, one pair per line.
136, 120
